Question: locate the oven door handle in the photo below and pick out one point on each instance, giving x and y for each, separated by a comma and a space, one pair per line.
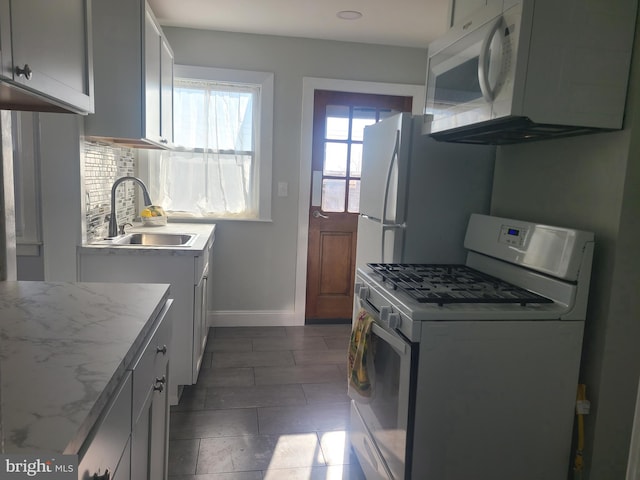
392, 340
397, 343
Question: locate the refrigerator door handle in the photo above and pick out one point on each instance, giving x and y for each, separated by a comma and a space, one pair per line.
369, 217
392, 164
394, 226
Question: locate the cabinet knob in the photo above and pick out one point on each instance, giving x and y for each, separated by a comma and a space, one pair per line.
164, 140
25, 71
105, 476
161, 349
158, 387
161, 380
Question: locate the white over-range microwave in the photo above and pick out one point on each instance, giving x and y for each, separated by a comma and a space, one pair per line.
531, 69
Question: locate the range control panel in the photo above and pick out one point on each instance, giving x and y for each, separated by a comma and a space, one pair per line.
511, 235
545, 248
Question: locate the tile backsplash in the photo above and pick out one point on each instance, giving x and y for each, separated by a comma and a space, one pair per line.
104, 163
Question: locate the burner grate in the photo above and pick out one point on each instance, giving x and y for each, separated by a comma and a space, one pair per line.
447, 283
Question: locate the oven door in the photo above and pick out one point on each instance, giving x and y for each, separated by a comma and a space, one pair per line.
388, 416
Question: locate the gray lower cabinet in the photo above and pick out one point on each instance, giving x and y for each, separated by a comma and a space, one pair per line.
105, 451
45, 50
150, 409
130, 440
187, 272
200, 329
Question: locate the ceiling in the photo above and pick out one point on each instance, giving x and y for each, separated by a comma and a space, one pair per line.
407, 23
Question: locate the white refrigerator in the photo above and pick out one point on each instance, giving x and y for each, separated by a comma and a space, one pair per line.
416, 194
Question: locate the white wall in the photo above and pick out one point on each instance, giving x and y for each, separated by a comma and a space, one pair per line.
593, 183
254, 264
63, 206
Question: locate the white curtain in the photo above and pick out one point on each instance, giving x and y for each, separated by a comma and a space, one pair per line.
212, 170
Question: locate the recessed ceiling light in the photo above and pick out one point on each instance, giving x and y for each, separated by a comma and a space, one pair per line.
349, 15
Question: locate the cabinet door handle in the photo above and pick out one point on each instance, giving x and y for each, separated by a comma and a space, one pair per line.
105, 476
160, 382
25, 71
161, 349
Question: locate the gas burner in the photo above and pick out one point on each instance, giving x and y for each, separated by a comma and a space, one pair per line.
450, 283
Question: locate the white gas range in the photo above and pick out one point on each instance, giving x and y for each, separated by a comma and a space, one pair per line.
476, 365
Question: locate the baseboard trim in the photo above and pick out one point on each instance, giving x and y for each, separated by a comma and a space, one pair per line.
328, 321
254, 318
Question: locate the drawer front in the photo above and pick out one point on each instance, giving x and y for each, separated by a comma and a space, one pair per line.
152, 361
370, 460
105, 446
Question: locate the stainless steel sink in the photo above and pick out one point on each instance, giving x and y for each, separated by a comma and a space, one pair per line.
156, 239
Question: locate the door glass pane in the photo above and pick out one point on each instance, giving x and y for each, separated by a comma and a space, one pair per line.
355, 167
333, 195
337, 126
354, 196
361, 118
335, 159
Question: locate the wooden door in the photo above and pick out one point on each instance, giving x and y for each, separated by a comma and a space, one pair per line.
339, 119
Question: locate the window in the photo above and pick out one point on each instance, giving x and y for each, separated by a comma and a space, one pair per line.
221, 166
338, 144
344, 133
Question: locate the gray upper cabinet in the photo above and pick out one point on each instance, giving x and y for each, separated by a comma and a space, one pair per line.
45, 50
166, 92
133, 67
461, 10
152, 77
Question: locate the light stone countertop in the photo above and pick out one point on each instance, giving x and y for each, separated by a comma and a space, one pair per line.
205, 233
64, 347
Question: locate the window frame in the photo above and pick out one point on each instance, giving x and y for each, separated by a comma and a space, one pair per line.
263, 134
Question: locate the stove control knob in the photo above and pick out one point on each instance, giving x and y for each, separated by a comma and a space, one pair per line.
363, 292
389, 318
394, 320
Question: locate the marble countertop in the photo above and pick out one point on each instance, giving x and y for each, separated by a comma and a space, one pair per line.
205, 234
64, 347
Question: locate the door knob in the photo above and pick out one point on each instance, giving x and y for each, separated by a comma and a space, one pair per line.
317, 214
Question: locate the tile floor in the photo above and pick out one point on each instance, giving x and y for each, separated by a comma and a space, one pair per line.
270, 403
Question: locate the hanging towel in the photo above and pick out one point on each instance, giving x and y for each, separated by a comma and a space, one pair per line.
361, 378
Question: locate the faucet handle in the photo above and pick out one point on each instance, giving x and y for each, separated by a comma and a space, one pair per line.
121, 230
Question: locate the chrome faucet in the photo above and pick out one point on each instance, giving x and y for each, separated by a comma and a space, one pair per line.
113, 223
